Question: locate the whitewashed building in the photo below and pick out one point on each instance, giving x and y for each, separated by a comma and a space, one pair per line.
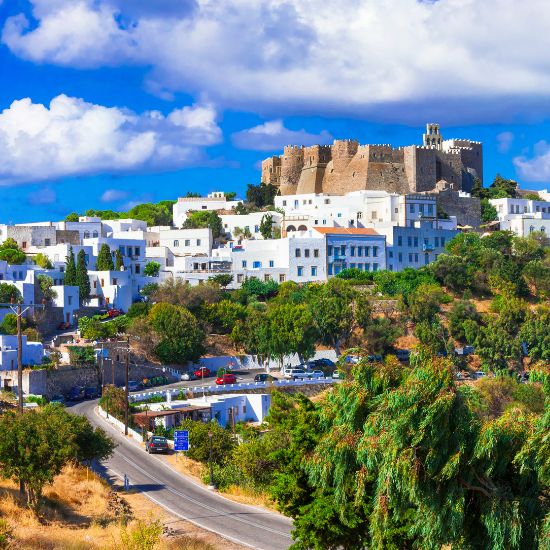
214, 201
523, 216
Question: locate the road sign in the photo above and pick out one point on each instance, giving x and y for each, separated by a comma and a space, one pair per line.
181, 440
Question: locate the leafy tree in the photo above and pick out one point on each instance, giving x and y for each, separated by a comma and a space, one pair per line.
113, 400
72, 217
252, 286
82, 279
462, 311
35, 446
495, 346
230, 195
433, 335
41, 260
337, 310
222, 279
424, 303
46, 284
192, 195
81, 356
180, 336
152, 269
203, 219
501, 241
502, 188
9, 324
104, 260
70, 269
223, 316
488, 211
451, 271
119, 260
404, 282
153, 214
261, 195
381, 335
511, 312
266, 226
11, 253
9, 293
222, 441
180, 292
149, 290
138, 309
535, 332
537, 275
532, 196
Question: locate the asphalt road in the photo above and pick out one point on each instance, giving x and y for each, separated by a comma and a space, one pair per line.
250, 526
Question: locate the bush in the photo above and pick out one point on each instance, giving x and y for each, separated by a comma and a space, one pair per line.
138, 309
222, 441
152, 269
81, 356
460, 312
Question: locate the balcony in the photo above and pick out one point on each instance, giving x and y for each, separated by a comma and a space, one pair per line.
428, 247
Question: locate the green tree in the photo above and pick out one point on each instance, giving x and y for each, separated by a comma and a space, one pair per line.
266, 226
104, 260
261, 195
537, 275
495, 346
223, 316
222, 441
488, 211
222, 279
462, 311
41, 260
46, 284
433, 335
381, 335
9, 293
152, 269
72, 217
535, 332
82, 279
424, 303
35, 446
9, 324
203, 219
11, 253
119, 260
230, 195
70, 269
180, 336
261, 289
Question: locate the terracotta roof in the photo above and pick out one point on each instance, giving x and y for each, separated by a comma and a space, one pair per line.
346, 230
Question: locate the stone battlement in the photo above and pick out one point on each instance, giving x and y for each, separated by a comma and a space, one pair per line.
347, 165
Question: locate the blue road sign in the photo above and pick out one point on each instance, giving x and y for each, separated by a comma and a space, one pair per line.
181, 440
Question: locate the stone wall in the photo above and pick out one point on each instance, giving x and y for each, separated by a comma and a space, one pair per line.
466, 209
26, 235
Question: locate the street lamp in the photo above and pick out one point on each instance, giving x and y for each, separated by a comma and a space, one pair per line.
212, 485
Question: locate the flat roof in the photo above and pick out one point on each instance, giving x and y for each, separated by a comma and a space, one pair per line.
347, 230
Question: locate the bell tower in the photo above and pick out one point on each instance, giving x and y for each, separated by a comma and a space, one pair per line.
432, 137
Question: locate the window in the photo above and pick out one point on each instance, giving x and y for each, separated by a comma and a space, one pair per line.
95, 284
47, 242
187, 242
330, 269
352, 250
102, 283
314, 271
359, 251
243, 263
421, 208
411, 208
374, 214
410, 258
298, 253
352, 266
196, 266
339, 215
343, 250
300, 271
367, 250
176, 243
257, 264
137, 269
399, 240
375, 251
256, 229
316, 253
271, 263
95, 234
198, 242
416, 242
284, 203
409, 242
390, 253
416, 258
430, 208
442, 241
329, 251
281, 278
115, 281
436, 241
375, 267
267, 277
86, 234
240, 277
400, 256
316, 222
306, 253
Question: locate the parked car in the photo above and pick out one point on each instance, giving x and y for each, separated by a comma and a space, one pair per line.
374, 358
316, 374
188, 375
353, 359
295, 373
227, 378
264, 377
202, 372
91, 393
336, 375
403, 355
76, 393
59, 399
466, 350
321, 363
479, 374
134, 385
114, 312
157, 444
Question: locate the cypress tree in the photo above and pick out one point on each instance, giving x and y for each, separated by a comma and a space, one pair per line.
70, 269
82, 279
104, 259
119, 262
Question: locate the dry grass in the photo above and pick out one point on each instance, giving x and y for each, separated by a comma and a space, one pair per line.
238, 494
81, 512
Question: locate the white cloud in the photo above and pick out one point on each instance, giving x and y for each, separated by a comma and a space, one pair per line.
72, 137
536, 168
42, 196
273, 136
112, 195
504, 141
385, 59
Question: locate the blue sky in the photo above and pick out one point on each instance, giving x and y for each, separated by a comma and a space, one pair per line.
105, 103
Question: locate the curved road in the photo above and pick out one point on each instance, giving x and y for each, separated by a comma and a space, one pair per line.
250, 526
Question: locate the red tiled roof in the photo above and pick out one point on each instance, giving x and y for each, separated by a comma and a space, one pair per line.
346, 230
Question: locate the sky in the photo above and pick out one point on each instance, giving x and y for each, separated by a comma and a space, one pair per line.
109, 103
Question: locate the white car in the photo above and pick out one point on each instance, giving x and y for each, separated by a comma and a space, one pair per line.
316, 374
336, 375
293, 374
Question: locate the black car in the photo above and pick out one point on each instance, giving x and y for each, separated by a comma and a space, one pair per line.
320, 363
76, 393
403, 355
263, 377
157, 444
91, 393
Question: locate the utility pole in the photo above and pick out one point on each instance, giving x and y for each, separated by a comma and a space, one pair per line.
126, 411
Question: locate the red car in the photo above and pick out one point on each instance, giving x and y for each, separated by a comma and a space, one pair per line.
114, 312
226, 379
202, 372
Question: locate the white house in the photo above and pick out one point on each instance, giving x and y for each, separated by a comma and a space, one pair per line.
214, 201
68, 299
185, 242
32, 352
248, 222
523, 216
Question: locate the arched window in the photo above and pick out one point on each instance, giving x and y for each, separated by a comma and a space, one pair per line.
543, 229
302, 228
86, 234
291, 228
531, 229
95, 234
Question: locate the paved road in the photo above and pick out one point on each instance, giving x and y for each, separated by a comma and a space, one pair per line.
247, 525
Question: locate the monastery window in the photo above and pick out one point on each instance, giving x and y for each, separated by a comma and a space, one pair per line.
281, 278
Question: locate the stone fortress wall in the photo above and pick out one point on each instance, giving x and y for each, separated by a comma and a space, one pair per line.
348, 166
